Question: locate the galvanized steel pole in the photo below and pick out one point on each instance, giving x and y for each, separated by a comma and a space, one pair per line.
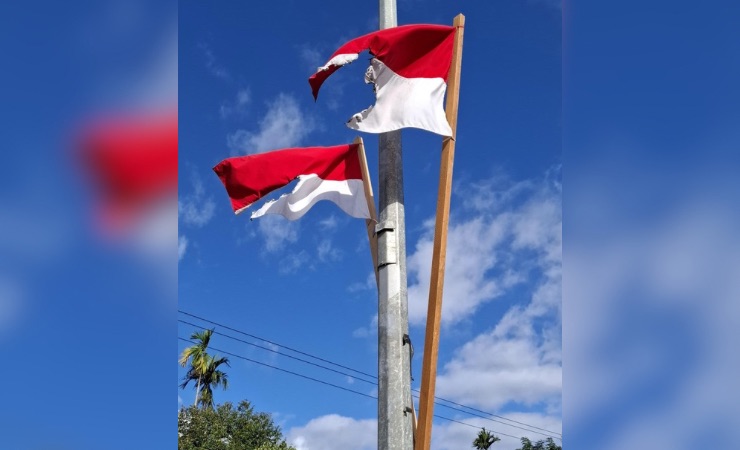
395, 426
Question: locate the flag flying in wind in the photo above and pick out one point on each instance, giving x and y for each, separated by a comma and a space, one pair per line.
323, 173
133, 161
409, 71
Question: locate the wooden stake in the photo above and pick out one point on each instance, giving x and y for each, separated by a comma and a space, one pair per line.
434, 311
369, 223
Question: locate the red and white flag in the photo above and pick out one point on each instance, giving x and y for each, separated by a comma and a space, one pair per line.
324, 173
409, 72
133, 162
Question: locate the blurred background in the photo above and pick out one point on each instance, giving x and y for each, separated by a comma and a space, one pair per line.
88, 224
650, 206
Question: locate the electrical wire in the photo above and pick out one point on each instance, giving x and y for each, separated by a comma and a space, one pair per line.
531, 428
337, 386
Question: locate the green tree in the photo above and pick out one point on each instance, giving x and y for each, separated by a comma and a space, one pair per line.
227, 428
204, 369
485, 440
196, 355
548, 444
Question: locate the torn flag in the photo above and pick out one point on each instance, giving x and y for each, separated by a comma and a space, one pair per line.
323, 173
409, 72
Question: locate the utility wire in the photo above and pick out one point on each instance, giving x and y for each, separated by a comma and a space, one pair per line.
367, 381
554, 434
497, 421
282, 354
375, 383
275, 343
475, 426
286, 371
337, 386
488, 418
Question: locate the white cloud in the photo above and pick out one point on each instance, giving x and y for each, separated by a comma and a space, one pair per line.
313, 59
485, 251
329, 224
243, 97
182, 246
335, 432
366, 285
683, 269
370, 330
196, 209
294, 262
277, 232
238, 106
212, 65
512, 238
327, 252
470, 256
511, 363
454, 436
269, 357
281, 419
284, 125
496, 193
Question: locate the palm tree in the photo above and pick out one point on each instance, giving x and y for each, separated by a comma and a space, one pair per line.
485, 440
548, 444
196, 354
210, 378
203, 368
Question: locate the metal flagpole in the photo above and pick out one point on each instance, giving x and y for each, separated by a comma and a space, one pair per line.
395, 426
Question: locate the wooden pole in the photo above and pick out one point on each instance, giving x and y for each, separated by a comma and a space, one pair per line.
434, 311
369, 223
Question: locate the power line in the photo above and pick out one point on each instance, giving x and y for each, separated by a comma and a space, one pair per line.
531, 428
370, 382
286, 371
489, 419
555, 433
336, 386
275, 343
475, 426
282, 354
496, 421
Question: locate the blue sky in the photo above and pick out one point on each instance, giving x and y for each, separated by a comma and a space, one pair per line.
650, 99
243, 72
650, 108
70, 298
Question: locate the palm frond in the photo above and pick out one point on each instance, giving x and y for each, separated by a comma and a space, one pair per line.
204, 368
